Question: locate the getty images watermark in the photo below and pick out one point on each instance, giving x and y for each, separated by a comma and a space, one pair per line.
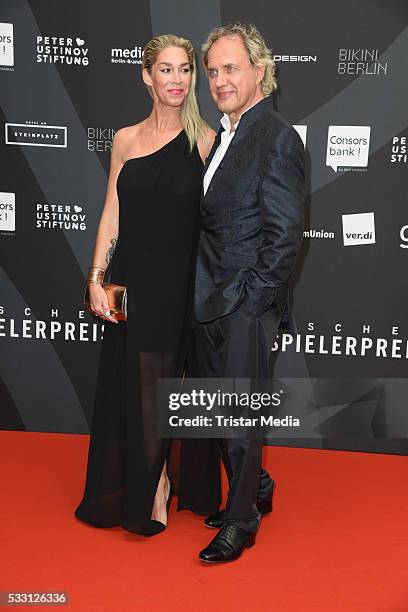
283, 408
223, 399
214, 408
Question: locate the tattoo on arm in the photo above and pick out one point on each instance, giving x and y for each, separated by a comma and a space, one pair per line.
110, 251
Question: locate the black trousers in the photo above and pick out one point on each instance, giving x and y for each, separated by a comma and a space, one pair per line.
238, 346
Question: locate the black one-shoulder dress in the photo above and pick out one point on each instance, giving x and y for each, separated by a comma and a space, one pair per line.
159, 197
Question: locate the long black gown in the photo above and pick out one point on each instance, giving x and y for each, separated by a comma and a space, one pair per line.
154, 257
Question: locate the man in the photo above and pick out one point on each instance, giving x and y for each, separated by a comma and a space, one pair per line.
252, 211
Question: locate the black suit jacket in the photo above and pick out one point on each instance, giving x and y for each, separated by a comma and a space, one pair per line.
252, 217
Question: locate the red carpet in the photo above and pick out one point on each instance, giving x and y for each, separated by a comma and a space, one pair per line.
336, 540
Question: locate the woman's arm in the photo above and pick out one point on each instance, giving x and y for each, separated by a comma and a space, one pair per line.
108, 228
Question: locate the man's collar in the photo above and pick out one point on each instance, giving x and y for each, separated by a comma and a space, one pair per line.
225, 121
263, 107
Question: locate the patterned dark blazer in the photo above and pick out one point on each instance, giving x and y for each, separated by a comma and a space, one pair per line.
252, 217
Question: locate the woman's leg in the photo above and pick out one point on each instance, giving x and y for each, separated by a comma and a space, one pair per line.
159, 510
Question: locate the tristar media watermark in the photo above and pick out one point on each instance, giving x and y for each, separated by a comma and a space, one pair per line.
274, 408
348, 146
222, 407
35, 135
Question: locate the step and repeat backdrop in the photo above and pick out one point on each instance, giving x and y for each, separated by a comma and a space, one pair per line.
70, 76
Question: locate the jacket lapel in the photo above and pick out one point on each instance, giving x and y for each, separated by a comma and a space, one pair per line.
263, 107
211, 154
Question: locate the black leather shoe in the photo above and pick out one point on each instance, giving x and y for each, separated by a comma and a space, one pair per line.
228, 544
215, 521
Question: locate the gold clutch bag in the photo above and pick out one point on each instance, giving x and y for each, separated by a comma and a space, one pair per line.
117, 300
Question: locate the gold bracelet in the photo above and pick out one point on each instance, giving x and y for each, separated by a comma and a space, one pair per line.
96, 275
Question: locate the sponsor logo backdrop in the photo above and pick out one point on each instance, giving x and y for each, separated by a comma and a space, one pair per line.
70, 77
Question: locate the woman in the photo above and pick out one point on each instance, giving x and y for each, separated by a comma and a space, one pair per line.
148, 232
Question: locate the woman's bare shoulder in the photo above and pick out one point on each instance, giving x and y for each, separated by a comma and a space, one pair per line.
123, 137
128, 132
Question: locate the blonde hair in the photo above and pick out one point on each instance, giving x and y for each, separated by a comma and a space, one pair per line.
258, 51
193, 124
